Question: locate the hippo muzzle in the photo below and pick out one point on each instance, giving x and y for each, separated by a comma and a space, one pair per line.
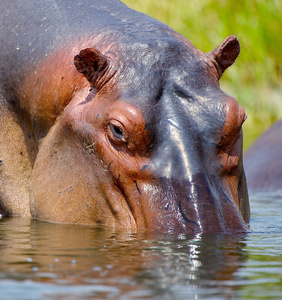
200, 182
193, 206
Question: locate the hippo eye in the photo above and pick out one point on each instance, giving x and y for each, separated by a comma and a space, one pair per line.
116, 131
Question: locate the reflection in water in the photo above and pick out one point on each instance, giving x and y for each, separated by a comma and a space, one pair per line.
51, 261
41, 260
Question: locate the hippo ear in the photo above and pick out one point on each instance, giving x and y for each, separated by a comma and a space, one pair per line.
91, 63
225, 54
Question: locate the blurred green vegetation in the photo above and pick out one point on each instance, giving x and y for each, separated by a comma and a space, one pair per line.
255, 79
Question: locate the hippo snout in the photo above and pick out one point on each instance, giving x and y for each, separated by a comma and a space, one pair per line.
197, 190
195, 205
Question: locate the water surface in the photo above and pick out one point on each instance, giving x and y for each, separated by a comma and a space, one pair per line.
40, 260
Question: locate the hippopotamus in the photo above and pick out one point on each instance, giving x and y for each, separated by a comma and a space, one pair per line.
111, 118
264, 162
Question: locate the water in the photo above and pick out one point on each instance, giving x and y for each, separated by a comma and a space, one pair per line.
40, 260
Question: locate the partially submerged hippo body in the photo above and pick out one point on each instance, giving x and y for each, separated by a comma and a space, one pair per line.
110, 117
263, 162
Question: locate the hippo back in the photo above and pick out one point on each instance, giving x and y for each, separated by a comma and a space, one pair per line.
263, 162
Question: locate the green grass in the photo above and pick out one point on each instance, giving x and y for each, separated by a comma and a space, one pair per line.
256, 77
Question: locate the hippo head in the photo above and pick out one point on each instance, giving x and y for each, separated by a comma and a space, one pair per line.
151, 142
